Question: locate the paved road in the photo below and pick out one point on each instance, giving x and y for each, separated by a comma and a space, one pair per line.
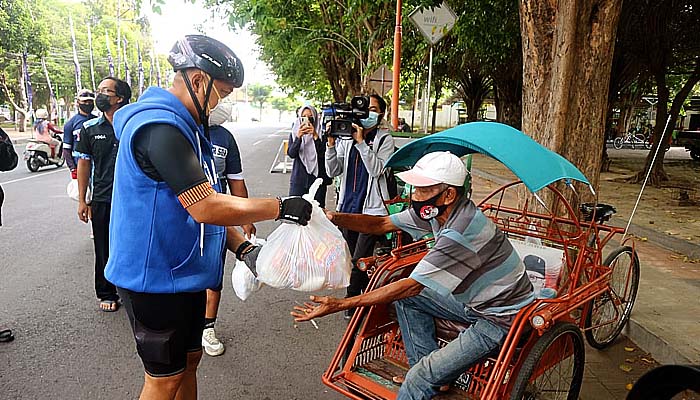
67, 349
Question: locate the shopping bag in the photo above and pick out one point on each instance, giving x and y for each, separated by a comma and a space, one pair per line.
73, 193
243, 280
306, 258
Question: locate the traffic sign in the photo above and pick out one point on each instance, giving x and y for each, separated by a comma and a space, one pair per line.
434, 23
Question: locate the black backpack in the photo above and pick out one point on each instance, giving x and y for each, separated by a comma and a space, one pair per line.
8, 156
391, 185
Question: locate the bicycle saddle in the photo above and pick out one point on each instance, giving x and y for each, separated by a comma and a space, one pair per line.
603, 212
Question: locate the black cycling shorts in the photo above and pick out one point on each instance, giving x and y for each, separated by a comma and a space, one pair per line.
166, 327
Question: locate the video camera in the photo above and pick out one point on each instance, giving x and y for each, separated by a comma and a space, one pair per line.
343, 115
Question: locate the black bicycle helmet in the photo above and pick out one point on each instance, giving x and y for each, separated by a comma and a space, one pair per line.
208, 55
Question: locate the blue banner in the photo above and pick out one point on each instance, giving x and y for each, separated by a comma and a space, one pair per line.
27, 83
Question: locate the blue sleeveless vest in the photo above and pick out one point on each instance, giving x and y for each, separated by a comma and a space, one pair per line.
154, 243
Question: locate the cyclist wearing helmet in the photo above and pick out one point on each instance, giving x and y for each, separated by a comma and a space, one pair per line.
168, 223
85, 100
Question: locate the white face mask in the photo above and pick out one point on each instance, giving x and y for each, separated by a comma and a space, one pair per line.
220, 114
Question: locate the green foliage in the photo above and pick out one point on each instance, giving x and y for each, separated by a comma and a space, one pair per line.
42, 27
259, 93
316, 48
282, 104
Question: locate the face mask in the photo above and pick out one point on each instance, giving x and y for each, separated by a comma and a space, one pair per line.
86, 108
371, 121
102, 102
219, 114
427, 209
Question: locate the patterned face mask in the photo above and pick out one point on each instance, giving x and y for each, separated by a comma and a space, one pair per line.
427, 209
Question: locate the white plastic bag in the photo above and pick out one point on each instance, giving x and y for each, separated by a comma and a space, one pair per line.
243, 280
73, 193
306, 258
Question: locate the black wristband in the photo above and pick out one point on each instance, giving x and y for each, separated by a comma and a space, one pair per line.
279, 212
241, 247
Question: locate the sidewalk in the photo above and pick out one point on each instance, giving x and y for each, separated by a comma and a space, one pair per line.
664, 320
18, 137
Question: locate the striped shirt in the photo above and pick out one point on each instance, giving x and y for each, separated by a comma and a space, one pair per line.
471, 260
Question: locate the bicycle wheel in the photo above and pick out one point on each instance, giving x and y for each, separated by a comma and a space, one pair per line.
640, 140
618, 142
648, 142
611, 310
554, 367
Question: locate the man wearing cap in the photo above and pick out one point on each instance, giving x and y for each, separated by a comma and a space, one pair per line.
472, 275
168, 222
85, 100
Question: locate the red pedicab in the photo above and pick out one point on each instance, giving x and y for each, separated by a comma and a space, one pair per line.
543, 354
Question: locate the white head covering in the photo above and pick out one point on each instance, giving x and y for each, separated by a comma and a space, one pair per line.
307, 150
42, 113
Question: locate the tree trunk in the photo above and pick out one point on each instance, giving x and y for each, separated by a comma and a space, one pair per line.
665, 124
567, 55
510, 107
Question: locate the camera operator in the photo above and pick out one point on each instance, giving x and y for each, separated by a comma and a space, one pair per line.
363, 186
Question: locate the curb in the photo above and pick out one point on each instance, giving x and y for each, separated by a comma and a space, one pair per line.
654, 344
22, 140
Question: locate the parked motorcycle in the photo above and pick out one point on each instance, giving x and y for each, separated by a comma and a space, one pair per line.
37, 154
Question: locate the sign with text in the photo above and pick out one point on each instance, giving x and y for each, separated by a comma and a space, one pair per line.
434, 23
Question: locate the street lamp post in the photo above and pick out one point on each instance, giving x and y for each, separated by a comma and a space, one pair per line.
397, 69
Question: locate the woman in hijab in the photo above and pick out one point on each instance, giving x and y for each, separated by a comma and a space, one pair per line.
307, 148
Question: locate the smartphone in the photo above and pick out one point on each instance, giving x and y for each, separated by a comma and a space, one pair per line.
305, 121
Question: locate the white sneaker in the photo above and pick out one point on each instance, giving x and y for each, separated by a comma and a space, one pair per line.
212, 345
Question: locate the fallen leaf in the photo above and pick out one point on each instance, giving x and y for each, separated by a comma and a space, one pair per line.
629, 349
629, 360
648, 361
671, 232
625, 367
629, 386
651, 222
691, 221
675, 257
643, 239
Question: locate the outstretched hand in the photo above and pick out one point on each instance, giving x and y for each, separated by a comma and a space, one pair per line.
324, 305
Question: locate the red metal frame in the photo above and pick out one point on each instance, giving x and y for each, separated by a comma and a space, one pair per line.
584, 277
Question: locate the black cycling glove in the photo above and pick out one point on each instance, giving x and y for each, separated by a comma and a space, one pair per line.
295, 209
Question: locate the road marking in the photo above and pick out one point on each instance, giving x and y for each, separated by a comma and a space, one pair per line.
31, 177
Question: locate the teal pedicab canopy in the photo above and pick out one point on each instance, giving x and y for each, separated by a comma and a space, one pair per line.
531, 162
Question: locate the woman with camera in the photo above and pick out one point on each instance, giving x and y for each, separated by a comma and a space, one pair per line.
307, 149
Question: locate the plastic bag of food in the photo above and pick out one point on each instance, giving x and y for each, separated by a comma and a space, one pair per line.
243, 280
73, 193
306, 258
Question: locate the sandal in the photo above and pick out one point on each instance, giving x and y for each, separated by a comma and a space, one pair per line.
109, 305
6, 336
